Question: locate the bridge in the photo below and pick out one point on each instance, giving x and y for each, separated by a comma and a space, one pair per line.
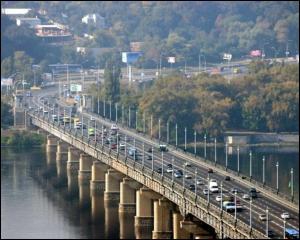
141, 184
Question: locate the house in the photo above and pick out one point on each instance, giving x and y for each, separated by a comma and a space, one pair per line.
53, 33
15, 12
94, 19
31, 22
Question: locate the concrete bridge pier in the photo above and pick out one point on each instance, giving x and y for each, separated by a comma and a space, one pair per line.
72, 182
84, 195
198, 231
143, 221
97, 208
128, 195
73, 159
112, 186
127, 207
97, 182
62, 151
178, 232
85, 165
162, 219
51, 143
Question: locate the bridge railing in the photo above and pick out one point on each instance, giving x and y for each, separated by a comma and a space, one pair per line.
186, 194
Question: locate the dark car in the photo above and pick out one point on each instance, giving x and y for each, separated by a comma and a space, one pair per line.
233, 190
227, 178
149, 157
149, 150
210, 170
192, 187
159, 170
271, 233
253, 192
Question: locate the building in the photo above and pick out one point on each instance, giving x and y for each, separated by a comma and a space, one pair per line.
136, 46
53, 32
13, 13
94, 19
31, 22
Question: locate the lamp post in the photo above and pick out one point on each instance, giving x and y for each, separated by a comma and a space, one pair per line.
129, 117
183, 182
172, 169
185, 139
168, 132
277, 186
152, 156
215, 151
144, 122
123, 112
136, 120
125, 147
267, 222
205, 146
104, 104
196, 181
284, 228
162, 163
195, 146
250, 214
208, 188
110, 110
98, 107
159, 129
101, 135
226, 155
250, 158
151, 125
221, 195
176, 135
143, 155
116, 112
263, 159
292, 183
238, 159
235, 205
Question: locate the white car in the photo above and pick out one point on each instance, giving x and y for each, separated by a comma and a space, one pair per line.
114, 127
187, 176
169, 170
122, 146
92, 119
205, 191
262, 217
218, 198
187, 164
246, 196
285, 215
199, 182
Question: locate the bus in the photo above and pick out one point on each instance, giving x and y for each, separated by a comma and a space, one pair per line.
91, 132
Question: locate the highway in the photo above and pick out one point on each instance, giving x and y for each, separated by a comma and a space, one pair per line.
161, 159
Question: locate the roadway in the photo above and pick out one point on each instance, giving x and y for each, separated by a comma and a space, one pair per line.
259, 205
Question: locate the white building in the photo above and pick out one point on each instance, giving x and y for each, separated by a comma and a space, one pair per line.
32, 22
15, 12
94, 19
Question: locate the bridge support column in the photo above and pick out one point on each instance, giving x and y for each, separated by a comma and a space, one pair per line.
62, 151
112, 185
97, 199
128, 195
198, 231
84, 173
162, 219
143, 221
179, 233
98, 176
51, 143
73, 159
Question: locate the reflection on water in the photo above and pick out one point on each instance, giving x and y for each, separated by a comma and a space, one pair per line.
41, 199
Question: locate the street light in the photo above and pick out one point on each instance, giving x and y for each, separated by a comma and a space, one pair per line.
208, 188
263, 159
162, 163
250, 214
129, 117
168, 132
226, 155
101, 134
284, 228
185, 139
159, 129
250, 158
109, 110
235, 205
151, 125
136, 120
104, 108
152, 157
205, 146
143, 155
238, 159
292, 183
123, 114
172, 169
221, 195
215, 151
267, 222
277, 187
116, 112
176, 135
144, 122
195, 139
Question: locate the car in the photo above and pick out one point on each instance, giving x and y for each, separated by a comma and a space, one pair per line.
114, 127
169, 165
187, 176
122, 146
192, 187
285, 215
246, 196
210, 170
159, 170
113, 146
163, 148
149, 157
262, 217
132, 151
178, 173
271, 233
205, 191
92, 118
187, 164
199, 182
149, 150
253, 192
169, 170
234, 190
218, 198
227, 178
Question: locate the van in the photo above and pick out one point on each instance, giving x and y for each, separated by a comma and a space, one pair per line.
213, 186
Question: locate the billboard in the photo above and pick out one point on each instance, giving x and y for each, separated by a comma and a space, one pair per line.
255, 53
227, 56
6, 81
171, 59
130, 57
76, 88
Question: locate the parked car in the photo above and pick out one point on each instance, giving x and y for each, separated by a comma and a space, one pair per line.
262, 217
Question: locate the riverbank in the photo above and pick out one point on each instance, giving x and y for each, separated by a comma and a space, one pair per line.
21, 138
